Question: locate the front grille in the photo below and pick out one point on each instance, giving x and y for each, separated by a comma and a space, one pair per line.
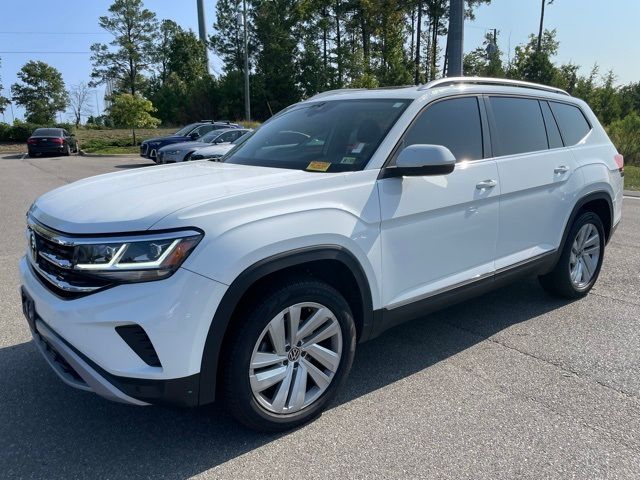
139, 342
52, 262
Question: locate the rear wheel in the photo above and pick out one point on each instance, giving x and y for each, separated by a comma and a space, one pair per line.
290, 356
580, 261
67, 150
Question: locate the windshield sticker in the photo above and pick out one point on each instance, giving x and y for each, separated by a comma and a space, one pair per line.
319, 166
348, 160
358, 148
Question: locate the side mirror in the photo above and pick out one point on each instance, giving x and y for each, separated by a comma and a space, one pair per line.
422, 160
194, 135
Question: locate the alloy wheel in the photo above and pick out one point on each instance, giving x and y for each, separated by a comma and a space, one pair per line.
585, 254
295, 358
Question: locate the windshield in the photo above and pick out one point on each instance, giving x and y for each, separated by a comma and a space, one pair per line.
329, 136
211, 136
185, 130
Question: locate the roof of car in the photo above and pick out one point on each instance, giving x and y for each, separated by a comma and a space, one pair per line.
446, 86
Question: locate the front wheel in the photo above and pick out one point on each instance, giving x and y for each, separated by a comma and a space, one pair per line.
289, 357
580, 261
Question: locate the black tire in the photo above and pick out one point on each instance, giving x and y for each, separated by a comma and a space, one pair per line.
67, 150
558, 281
237, 393
32, 155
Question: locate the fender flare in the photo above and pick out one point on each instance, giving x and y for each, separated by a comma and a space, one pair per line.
222, 317
598, 195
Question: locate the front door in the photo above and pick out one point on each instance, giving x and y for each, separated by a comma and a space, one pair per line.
439, 232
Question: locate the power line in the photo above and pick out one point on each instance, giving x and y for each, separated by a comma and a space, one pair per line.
37, 53
55, 33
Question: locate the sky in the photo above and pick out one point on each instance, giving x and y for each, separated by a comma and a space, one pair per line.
589, 31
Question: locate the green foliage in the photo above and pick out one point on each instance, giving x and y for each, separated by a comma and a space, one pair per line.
20, 131
41, 92
132, 52
132, 111
625, 134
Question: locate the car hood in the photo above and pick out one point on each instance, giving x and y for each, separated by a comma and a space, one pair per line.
137, 199
185, 146
169, 138
213, 149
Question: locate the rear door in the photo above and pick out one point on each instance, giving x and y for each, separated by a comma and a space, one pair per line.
538, 178
439, 232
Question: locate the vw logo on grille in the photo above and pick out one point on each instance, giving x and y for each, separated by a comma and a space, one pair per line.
33, 245
294, 354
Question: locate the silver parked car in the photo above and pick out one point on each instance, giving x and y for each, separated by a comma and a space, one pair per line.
216, 152
180, 152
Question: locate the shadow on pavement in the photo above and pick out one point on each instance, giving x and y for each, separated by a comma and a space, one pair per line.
49, 430
134, 165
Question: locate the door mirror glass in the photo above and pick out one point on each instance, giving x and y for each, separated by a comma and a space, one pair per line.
422, 160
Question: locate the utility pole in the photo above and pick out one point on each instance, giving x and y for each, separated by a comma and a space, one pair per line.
202, 30
247, 100
455, 39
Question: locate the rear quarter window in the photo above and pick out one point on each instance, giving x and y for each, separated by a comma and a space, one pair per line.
573, 126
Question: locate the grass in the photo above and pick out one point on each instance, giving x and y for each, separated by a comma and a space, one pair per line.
631, 177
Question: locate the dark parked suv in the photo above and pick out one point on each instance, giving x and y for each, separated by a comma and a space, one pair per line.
193, 131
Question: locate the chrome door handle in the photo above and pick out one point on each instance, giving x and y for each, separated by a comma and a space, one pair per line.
561, 169
486, 184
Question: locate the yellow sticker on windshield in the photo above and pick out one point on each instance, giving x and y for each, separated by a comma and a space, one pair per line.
319, 166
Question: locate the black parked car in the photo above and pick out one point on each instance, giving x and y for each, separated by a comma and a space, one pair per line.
193, 131
51, 140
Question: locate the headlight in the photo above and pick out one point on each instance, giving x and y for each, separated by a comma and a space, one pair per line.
136, 258
172, 152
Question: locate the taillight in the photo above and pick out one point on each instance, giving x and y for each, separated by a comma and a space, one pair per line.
31, 141
619, 159
59, 141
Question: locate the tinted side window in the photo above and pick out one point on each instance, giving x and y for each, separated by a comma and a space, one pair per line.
571, 121
519, 126
453, 123
553, 134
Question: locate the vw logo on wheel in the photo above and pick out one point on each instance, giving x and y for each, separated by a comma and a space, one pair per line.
294, 354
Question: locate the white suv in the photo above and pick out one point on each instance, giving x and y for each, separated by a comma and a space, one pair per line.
342, 216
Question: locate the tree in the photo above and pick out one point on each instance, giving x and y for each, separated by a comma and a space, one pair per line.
4, 101
41, 92
484, 61
132, 111
79, 101
535, 65
625, 134
133, 28
275, 84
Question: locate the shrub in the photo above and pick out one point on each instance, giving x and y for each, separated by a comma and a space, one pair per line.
625, 134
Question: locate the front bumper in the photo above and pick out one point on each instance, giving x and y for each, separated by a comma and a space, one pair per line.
175, 313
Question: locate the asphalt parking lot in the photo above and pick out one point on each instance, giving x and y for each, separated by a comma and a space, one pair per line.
514, 384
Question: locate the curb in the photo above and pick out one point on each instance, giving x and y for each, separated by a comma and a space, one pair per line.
82, 153
631, 193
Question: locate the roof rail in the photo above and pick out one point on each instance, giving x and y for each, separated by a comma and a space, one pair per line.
333, 92
442, 82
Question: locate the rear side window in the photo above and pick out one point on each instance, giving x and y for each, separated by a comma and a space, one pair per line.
553, 134
573, 126
453, 123
519, 126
